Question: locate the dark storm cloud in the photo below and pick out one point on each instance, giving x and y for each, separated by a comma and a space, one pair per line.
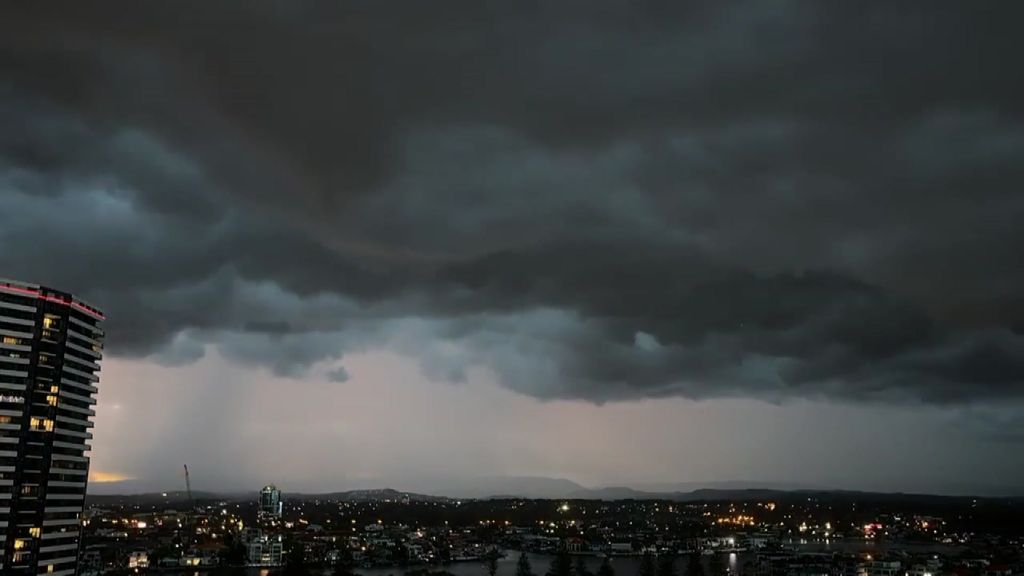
603, 202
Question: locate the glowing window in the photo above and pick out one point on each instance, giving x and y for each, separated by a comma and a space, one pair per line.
41, 424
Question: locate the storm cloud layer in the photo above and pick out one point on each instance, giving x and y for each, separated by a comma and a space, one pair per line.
599, 201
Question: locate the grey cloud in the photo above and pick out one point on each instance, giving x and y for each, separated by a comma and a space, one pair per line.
339, 374
286, 355
1002, 424
181, 350
768, 199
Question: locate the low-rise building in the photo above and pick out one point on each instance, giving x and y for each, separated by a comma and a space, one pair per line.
263, 549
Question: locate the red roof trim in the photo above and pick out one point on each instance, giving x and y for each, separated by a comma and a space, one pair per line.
49, 298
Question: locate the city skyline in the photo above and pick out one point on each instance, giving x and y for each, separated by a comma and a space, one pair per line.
347, 246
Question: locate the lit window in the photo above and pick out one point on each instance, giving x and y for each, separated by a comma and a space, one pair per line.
35, 531
11, 340
50, 321
51, 400
41, 424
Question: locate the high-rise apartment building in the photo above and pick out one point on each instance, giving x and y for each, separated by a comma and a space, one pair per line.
270, 502
50, 347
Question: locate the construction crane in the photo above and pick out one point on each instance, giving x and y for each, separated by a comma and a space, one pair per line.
190, 514
188, 489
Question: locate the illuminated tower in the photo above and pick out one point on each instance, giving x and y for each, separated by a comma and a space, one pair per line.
270, 503
50, 348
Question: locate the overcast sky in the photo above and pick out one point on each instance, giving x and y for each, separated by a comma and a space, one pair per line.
363, 243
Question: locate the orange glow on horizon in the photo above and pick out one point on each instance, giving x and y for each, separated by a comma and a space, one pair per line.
103, 477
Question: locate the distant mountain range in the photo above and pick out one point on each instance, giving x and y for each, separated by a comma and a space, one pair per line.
503, 487
375, 495
561, 488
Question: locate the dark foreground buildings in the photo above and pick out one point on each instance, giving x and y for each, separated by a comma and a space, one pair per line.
50, 346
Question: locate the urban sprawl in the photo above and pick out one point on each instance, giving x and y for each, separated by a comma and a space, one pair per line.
387, 532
